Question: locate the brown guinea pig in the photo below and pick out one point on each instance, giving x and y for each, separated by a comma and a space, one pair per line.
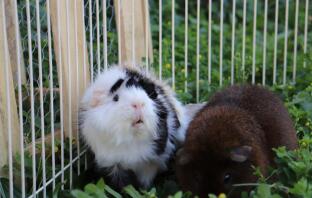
234, 131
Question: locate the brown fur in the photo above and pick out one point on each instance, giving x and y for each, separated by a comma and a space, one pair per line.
238, 116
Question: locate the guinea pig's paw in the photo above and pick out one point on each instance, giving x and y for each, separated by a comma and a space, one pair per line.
97, 98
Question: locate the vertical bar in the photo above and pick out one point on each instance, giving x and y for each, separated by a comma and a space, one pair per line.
209, 41
10, 150
254, 43
233, 41
61, 92
91, 39
295, 42
85, 48
275, 41
51, 85
285, 43
41, 99
186, 46
146, 34
133, 34
160, 39
77, 78
264, 41
221, 44
105, 34
244, 37
98, 35
305, 31
69, 101
197, 50
119, 33
20, 104
32, 108
173, 43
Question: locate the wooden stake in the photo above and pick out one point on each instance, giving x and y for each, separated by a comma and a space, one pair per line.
4, 128
140, 33
10, 28
63, 67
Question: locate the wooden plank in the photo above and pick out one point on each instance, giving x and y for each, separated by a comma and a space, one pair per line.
126, 30
11, 36
76, 66
4, 128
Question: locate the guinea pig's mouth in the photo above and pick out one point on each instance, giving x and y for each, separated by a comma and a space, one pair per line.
137, 122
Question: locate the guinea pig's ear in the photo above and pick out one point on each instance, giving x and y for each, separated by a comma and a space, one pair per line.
182, 157
240, 154
96, 98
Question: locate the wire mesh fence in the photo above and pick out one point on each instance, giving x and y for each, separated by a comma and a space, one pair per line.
196, 45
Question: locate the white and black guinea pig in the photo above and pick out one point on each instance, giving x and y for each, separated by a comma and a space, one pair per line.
132, 123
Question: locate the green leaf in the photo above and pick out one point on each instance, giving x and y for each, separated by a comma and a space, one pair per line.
80, 194
112, 192
132, 192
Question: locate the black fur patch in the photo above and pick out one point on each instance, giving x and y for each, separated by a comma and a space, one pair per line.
132, 82
116, 86
149, 88
138, 80
161, 142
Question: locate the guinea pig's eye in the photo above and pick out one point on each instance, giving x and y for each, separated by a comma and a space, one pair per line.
227, 178
116, 98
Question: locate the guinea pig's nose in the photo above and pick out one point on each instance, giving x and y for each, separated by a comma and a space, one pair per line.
137, 105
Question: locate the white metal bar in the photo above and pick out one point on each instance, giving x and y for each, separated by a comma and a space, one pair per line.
69, 99
51, 85
9, 120
244, 37
285, 43
32, 108
173, 43
197, 50
186, 46
275, 41
160, 39
295, 42
305, 30
254, 43
119, 31
146, 34
221, 44
59, 173
264, 41
98, 35
86, 163
233, 41
133, 33
77, 79
41, 99
85, 47
105, 34
61, 91
209, 41
91, 39
20, 103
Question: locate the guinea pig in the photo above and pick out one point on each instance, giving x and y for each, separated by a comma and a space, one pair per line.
234, 131
132, 123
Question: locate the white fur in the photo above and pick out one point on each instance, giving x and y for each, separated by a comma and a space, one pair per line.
107, 126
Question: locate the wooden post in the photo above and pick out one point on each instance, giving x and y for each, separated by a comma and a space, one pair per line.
4, 128
77, 66
140, 15
10, 28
